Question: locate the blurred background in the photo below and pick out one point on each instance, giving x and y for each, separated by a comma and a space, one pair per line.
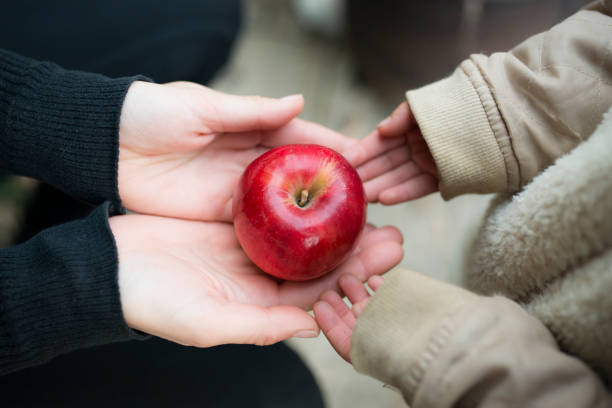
353, 60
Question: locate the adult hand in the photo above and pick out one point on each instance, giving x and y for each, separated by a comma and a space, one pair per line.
394, 161
191, 283
336, 319
183, 146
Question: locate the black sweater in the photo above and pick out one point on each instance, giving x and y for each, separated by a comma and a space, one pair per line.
59, 290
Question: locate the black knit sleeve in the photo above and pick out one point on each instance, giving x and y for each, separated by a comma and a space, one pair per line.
61, 126
59, 292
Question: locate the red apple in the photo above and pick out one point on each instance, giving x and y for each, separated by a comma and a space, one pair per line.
298, 211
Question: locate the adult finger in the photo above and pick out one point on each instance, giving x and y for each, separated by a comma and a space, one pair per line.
373, 236
233, 113
301, 131
238, 323
375, 259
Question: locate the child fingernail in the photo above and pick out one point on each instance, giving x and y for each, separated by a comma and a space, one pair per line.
306, 334
358, 308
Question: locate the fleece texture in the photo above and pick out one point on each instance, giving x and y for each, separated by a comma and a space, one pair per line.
550, 248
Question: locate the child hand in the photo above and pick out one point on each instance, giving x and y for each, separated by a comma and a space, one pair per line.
394, 161
334, 316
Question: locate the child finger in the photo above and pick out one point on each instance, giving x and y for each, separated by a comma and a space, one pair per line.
336, 331
396, 124
340, 308
417, 187
395, 177
384, 163
370, 147
375, 282
358, 308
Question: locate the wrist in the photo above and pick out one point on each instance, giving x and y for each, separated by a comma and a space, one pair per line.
122, 239
136, 108
459, 133
406, 323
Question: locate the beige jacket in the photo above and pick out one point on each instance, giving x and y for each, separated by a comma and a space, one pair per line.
493, 126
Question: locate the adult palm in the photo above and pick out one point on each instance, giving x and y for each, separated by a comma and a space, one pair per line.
190, 282
183, 146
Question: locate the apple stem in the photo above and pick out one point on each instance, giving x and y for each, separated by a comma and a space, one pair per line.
303, 198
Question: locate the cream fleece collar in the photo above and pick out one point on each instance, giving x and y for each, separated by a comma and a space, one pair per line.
550, 248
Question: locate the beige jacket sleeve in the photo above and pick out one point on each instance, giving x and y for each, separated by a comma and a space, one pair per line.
443, 346
498, 121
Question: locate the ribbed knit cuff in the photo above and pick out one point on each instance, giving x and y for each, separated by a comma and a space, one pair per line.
61, 126
459, 121
59, 292
403, 328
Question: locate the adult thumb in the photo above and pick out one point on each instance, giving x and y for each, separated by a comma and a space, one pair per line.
249, 324
234, 113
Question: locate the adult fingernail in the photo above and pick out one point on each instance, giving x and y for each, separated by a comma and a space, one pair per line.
384, 122
306, 334
291, 98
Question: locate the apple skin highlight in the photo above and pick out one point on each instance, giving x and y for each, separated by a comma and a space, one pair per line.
298, 211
